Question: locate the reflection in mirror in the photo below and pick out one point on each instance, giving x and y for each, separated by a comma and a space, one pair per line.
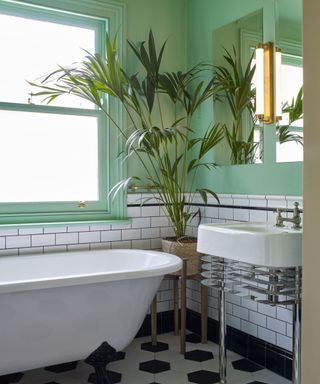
289, 40
234, 61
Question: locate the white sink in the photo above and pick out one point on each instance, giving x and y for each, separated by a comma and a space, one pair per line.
255, 243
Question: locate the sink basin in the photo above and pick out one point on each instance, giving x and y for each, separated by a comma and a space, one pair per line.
255, 243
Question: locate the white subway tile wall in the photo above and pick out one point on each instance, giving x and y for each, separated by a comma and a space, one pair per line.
267, 335
149, 224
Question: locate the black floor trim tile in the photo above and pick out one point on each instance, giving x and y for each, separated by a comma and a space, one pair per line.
193, 338
256, 351
165, 323
288, 369
276, 362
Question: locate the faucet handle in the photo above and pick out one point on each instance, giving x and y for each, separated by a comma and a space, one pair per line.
296, 216
279, 218
296, 211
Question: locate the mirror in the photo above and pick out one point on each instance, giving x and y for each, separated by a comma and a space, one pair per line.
234, 49
289, 40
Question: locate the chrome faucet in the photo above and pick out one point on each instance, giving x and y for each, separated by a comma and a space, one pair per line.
295, 220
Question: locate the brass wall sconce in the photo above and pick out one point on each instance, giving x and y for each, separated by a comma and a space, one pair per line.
264, 83
268, 86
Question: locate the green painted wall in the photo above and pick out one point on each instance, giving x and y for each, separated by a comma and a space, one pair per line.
167, 19
203, 17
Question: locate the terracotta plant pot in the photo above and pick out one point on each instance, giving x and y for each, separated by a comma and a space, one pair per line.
185, 249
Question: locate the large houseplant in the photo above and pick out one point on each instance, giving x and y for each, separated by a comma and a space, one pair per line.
159, 133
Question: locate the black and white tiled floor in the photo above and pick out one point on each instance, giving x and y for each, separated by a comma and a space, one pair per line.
140, 365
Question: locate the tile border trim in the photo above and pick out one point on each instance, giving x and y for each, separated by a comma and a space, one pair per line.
249, 207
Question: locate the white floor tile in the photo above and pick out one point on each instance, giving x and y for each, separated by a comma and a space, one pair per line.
178, 373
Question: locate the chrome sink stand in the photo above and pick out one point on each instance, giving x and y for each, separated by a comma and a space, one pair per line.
272, 286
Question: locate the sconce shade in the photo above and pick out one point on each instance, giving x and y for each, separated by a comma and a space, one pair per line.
278, 60
260, 81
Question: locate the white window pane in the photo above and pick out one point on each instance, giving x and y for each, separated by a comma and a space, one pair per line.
31, 49
290, 151
48, 157
291, 82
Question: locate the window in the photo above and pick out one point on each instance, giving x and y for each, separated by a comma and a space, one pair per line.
52, 156
291, 82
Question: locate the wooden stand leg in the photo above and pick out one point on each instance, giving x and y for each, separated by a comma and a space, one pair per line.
204, 313
154, 330
176, 305
183, 307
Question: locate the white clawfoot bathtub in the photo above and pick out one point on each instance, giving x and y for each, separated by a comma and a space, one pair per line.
56, 308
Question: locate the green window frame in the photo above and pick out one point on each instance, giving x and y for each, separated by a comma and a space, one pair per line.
101, 17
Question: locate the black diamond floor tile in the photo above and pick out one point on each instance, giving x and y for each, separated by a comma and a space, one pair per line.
59, 368
198, 355
12, 378
257, 382
52, 382
154, 366
246, 366
114, 377
204, 377
159, 347
193, 338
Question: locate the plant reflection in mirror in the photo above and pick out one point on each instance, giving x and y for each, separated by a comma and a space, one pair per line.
235, 86
295, 113
160, 107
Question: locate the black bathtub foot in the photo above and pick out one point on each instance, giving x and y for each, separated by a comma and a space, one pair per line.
99, 360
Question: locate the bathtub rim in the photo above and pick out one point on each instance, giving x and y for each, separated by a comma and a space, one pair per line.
174, 265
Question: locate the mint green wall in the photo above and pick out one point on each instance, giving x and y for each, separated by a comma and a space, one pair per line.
203, 17
167, 19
